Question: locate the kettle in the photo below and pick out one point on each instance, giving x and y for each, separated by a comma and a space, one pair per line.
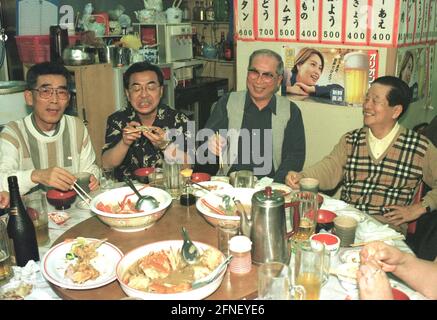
266, 227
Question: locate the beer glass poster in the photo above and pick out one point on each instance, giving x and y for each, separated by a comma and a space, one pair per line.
338, 76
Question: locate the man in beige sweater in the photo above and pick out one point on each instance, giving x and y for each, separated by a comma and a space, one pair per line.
381, 164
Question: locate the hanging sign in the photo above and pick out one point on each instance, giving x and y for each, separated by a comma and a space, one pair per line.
287, 20
332, 21
265, 13
244, 19
384, 22
402, 31
411, 21
432, 33
419, 21
425, 26
356, 14
308, 20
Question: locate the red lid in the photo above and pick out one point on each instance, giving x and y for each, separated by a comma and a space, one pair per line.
326, 238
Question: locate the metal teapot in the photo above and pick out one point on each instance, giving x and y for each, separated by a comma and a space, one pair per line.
266, 227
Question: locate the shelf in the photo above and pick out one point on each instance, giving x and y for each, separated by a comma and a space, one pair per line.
216, 60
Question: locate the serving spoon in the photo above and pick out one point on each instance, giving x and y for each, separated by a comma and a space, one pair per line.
189, 251
144, 202
212, 276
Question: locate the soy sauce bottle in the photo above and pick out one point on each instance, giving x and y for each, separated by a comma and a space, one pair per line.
21, 231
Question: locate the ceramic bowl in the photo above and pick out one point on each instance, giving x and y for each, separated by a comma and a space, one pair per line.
200, 177
325, 219
194, 294
131, 222
141, 174
208, 205
61, 200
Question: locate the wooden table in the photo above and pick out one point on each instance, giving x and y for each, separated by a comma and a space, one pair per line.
233, 287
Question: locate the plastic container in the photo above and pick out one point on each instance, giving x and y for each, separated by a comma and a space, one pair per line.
36, 49
240, 248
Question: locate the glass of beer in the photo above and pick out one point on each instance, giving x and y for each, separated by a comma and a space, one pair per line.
356, 77
5, 258
36, 205
305, 215
309, 267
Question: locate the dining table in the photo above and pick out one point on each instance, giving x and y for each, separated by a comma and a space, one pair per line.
84, 223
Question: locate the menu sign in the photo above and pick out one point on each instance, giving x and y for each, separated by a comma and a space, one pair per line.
356, 22
383, 25
425, 28
287, 20
402, 30
332, 21
432, 33
265, 17
419, 20
411, 21
308, 13
244, 22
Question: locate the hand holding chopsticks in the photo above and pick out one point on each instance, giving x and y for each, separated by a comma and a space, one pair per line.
394, 237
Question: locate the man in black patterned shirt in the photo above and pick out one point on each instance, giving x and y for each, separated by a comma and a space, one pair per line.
127, 148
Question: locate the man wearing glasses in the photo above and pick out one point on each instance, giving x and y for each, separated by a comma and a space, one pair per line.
46, 147
137, 136
271, 137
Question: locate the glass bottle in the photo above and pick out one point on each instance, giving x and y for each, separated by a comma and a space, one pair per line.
221, 46
196, 44
201, 12
209, 12
228, 48
21, 231
196, 11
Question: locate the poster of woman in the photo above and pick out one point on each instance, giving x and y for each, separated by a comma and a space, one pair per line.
339, 76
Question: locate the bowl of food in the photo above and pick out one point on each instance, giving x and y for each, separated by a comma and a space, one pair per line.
215, 207
325, 219
200, 177
116, 208
142, 174
61, 200
154, 272
198, 191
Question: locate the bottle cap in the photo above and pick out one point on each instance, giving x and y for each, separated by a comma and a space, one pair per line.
240, 244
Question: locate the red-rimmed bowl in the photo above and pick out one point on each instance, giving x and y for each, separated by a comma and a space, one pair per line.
399, 295
141, 174
61, 200
200, 177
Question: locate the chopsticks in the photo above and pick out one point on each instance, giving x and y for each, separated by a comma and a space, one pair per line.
220, 172
396, 237
82, 193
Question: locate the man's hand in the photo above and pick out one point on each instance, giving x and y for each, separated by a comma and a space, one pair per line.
399, 214
373, 282
156, 135
296, 89
54, 177
292, 179
130, 136
4, 199
388, 257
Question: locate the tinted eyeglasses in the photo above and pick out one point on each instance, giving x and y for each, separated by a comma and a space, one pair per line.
47, 92
254, 74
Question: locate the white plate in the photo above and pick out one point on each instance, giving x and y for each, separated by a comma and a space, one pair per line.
212, 185
54, 264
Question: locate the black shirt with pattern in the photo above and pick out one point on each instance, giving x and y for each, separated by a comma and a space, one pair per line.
141, 152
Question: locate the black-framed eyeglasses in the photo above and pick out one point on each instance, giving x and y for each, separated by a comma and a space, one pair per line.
254, 74
150, 87
47, 92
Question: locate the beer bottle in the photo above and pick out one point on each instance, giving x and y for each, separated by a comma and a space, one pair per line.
21, 231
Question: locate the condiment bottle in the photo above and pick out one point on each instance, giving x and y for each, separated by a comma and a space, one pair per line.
21, 231
240, 248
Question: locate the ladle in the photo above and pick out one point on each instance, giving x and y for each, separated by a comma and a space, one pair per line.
144, 202
189, 251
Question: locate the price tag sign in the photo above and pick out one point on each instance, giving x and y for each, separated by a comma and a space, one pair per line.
432, 34
287, 20
244, 22
411, 21
420, 8
308, 17
332, 21
383, 27
402, 30
356, 22
265, 19
426, 17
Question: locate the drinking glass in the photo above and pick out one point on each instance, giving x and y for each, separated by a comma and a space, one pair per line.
107, 178
305, 215
274, 283
173, 179
244, 179
309, 267
83, 180
36, 205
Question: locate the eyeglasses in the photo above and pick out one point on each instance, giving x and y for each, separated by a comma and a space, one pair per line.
47, 92
254, 74
151, 87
